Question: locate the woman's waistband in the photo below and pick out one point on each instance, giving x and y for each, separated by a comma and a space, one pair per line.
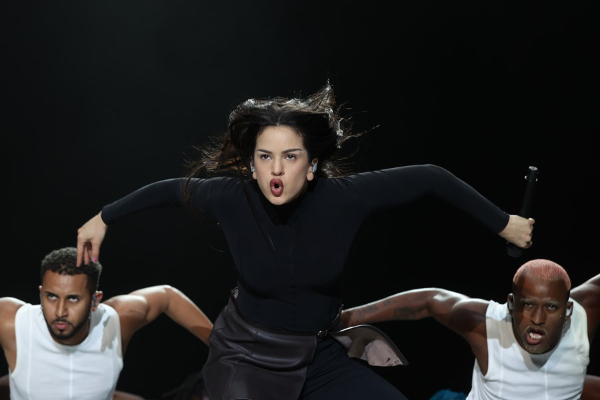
335, 325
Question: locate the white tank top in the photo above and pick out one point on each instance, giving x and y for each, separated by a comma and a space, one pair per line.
47, 370
515, 374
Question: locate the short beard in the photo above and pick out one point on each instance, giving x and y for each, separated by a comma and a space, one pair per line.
75, 328
535, 350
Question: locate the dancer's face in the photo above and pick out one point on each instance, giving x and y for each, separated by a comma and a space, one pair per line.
281, 165
67, 306
541, 309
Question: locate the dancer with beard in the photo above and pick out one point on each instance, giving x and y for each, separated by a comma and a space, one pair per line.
71, 346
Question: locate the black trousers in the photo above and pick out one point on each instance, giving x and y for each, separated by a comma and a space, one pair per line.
334, 375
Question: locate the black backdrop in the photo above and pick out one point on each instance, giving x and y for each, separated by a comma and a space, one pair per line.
100, 98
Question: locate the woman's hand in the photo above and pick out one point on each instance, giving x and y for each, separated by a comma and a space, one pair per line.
89, 239
519, 231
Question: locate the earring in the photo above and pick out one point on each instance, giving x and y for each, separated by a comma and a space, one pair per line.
314, 167
251, 166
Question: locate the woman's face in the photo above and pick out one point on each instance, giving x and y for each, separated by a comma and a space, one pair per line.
281, 165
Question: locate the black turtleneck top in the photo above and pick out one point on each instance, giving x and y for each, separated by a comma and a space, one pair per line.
290, 258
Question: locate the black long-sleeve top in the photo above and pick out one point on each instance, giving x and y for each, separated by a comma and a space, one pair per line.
290, 258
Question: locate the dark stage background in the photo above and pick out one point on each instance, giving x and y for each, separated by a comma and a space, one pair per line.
101, 98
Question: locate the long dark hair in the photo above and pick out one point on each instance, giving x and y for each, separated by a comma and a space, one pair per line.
315, 118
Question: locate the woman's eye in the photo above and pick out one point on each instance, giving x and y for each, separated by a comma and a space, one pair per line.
291, 156
264, 156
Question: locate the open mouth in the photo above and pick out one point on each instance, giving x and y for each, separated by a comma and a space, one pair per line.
276, 187
535, 336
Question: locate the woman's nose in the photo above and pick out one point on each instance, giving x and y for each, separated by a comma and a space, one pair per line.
277, 168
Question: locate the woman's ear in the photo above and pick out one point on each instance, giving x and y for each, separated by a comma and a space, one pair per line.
252, 170
312, 172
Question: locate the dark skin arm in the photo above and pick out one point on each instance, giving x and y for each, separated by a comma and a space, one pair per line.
8, 309
462, 314
591, 388
139, 308
588, 295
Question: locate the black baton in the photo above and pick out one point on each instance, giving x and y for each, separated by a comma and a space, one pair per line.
531, 178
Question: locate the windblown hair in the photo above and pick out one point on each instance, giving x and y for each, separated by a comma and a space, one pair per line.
315, 118
545, 269
64, 261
